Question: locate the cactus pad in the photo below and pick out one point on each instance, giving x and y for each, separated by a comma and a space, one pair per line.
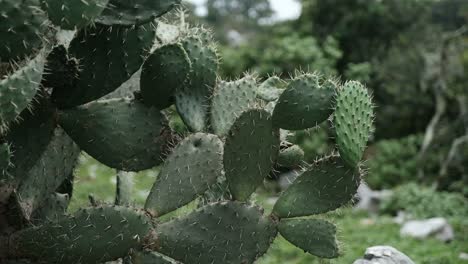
52, 209
164, 71
136, 12
107, 58
72, 14
60, 71
192, 100
314, 236
148, 257
19, 261
291, 157
128, 89
190, 170
92, 235
353, 121
123, 195
5, 159
22, 26
99, 76
231, 99
228, 232
30, 137
323, 187
304, 104
251, 149
121, 133
49, 171
271, 89
18, 90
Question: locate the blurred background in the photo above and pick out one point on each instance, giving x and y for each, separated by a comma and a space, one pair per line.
413, 57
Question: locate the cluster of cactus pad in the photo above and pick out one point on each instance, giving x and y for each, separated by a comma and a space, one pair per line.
100, 76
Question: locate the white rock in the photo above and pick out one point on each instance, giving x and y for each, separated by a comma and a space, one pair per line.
463, 256
384, 255
434, 227
401, 217
369, 200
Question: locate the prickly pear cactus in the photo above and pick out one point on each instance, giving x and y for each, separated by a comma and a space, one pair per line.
101, 77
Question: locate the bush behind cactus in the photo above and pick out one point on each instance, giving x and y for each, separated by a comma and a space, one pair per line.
235, 140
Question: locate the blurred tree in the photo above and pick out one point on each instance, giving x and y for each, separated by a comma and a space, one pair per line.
445, 75
280, 55
415, 57
241, 16
240, 11
422, 87
403, 108
451, 14
363, 28
388, 39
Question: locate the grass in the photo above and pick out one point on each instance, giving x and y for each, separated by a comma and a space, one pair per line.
93, 178
356, 230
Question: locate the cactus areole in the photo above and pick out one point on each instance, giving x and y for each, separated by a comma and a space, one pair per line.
106, 88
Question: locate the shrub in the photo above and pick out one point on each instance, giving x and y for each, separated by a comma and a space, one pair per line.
425, 202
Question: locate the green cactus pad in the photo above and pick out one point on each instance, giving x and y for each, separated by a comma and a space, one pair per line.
323, 187
353, 121
230, 99
192, 100
228, 232
49, 171
30, 137
271, 89
107, 57
20, 261
22, 27
164, 71
136, 12
18, 90
123, 195
291, 157
251, 149
91, 235
5, 159
304, 104
52, 209
127, 90
120, 133
72, 14
314, 236
190, 170
217, 193
60, 71
149, 257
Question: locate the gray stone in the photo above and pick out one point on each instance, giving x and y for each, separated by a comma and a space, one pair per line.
369, 200
434, 227
401, 217
384, 255
463, 256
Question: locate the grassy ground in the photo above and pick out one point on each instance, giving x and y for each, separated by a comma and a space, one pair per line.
357, 231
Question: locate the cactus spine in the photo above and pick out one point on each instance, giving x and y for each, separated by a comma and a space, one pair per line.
52, 106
